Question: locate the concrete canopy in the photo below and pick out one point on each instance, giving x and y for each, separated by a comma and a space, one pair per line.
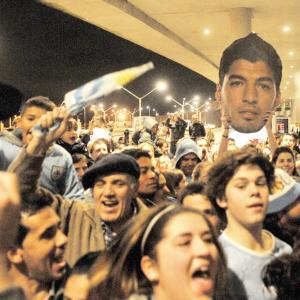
195, 32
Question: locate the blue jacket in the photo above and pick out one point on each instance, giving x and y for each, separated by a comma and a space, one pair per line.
58, 173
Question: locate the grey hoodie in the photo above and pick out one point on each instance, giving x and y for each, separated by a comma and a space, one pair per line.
185, 146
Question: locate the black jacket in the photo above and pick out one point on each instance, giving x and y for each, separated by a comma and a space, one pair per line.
177, 129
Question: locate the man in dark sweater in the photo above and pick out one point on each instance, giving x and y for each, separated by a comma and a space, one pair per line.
177, 126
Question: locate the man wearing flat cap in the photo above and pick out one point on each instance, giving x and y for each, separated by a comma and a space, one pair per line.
113, 180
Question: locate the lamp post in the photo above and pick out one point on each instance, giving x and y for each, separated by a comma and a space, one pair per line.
132, 113
85, 114
198, 109
84, 117
106, 110
161, 86
149, 109
184, 102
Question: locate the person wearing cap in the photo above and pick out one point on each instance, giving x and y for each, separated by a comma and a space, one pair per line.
187, 157
239, 186
113, 180
283, 215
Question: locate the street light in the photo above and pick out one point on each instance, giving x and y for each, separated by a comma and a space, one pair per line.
106, 110
184, 102
84, 117
198, 109
160, 86
149, 108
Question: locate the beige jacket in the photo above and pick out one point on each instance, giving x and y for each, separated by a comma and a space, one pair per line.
79, 220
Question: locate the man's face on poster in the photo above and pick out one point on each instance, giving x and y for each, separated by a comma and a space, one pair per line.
247, 94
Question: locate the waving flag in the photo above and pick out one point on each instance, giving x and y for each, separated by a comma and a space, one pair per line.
92, 91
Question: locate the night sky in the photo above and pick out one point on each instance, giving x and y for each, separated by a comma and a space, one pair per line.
46, 52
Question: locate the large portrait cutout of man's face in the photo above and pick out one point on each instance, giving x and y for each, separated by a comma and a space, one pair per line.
248, 95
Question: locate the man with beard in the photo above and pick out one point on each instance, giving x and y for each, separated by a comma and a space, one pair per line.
187, 157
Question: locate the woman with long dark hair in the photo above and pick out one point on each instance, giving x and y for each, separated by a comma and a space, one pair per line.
168, 252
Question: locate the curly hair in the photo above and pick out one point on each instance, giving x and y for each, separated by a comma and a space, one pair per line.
224, 169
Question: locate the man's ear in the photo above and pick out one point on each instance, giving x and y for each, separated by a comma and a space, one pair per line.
15, 255
222, 202
149, 268
218, 92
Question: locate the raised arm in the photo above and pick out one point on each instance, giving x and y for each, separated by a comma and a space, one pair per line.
9, 216
28, 163
225, 134
271, 137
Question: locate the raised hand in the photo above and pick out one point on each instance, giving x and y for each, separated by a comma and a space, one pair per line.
50, 127
9, 210
225, 119
268, 119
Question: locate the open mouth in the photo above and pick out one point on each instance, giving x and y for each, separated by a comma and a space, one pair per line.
58, 258
202, 282
201, 274
59, 262
110, 203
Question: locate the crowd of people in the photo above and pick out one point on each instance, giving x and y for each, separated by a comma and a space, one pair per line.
167, 213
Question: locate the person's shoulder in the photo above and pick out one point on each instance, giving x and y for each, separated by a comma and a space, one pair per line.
140, 204
225, 241
230, 247
9, 137
84, 206
58, 149
281, 247
59, 152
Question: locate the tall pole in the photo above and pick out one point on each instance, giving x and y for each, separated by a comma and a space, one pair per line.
141, 98
140, 112
200, 115
183, 104
84, 117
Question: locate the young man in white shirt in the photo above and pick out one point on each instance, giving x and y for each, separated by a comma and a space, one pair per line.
238, 187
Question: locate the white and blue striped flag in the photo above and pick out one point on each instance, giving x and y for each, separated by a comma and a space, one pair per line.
92, 91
